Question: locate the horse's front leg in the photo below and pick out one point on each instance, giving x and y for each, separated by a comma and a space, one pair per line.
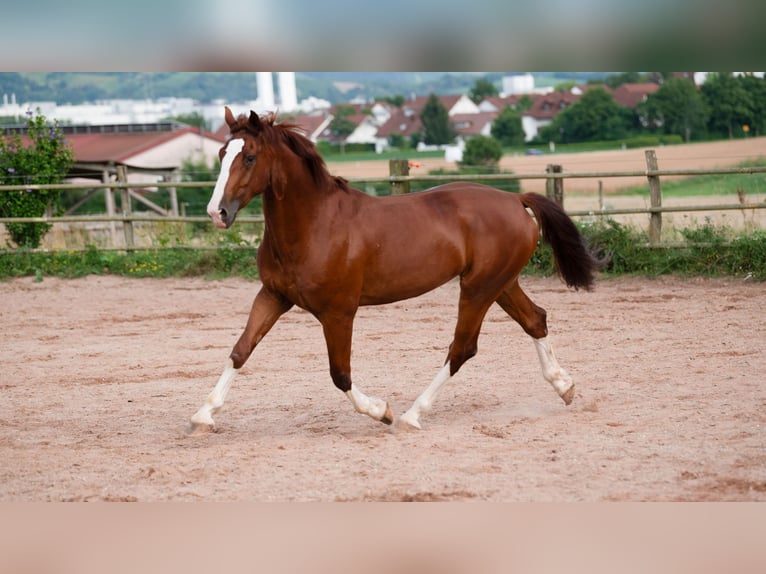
267, 308
338, 333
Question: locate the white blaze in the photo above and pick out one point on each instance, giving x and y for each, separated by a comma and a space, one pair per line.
232, 151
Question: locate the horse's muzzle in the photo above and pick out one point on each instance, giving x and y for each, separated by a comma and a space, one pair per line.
225, 216
218, 220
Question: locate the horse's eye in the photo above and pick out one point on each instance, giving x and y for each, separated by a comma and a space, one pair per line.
249, 160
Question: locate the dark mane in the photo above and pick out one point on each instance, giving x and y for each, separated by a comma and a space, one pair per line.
291, 135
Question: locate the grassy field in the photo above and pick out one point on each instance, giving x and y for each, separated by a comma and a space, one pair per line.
712, 251
724, 185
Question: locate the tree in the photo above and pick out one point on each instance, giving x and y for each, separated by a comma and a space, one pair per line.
482, 90
729, 102
676, 108
45, 160
482, 151
507, 128
524, 103
614, 80
396, 100
756, 88
594, 117
437, 129
195, 119
341, 126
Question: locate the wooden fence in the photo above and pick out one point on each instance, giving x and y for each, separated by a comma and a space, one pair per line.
399, 182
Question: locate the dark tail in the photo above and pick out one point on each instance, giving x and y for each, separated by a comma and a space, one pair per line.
574, 261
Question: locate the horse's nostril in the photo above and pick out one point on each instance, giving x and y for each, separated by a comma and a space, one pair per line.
223, 213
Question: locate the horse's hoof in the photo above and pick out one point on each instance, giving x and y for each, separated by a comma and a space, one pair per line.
409, 422
388, 416
569, 395
197, 428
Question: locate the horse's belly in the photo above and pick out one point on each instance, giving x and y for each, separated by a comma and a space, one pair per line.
407, 278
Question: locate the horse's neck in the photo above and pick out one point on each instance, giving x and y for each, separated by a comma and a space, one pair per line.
300, 213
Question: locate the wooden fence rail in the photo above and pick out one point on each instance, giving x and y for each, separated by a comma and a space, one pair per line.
399, 182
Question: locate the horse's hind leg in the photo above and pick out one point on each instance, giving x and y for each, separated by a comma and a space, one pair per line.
533, 320
464, 346
267, 308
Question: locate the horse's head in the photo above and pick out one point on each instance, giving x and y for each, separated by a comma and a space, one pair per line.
242, 175
263, 156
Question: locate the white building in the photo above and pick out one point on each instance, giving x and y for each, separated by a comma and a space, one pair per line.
523, 84
288, 92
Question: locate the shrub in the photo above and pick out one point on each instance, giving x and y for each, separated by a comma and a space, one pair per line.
46, 160
482, 151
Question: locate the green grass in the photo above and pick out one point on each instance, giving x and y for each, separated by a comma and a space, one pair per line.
724, 184
169, 262
386, 155
712, 252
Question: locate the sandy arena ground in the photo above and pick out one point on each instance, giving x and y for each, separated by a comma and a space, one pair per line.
100, 375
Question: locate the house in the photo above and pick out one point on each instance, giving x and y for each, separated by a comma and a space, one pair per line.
367, 120
149, 152
405, 120
366, 132
312, 125
631, 95
543, 109
470, 125
498, 103
144, 153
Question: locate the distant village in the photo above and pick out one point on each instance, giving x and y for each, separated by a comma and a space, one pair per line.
138, 135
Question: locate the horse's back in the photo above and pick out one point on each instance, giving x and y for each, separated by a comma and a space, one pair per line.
418, 241
484, 209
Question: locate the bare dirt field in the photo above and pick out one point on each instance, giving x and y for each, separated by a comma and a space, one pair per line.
100, 375
726, 153
582, 193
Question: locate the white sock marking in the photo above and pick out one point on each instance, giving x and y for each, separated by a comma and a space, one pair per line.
370, 406
426, 399
552, 371
217, 396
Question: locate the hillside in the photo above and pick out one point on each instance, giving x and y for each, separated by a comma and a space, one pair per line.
80, 87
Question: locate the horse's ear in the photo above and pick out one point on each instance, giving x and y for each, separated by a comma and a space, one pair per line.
255, 121
229, 117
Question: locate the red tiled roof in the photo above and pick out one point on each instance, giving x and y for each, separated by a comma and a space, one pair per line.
587, 87
402, 123
119, 147
223, 131
308, 123
472, 124
547, 106
630, 95
502, 103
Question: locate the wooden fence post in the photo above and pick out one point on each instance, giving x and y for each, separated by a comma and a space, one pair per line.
173, 192
399, 167
127, 210
655, 198
110, 209
554, 187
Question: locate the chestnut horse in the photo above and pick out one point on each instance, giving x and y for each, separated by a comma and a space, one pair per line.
328, 249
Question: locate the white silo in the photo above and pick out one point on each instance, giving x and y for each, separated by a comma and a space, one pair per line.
288, 94
265, 90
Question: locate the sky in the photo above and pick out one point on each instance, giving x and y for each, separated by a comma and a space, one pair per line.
239, 35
